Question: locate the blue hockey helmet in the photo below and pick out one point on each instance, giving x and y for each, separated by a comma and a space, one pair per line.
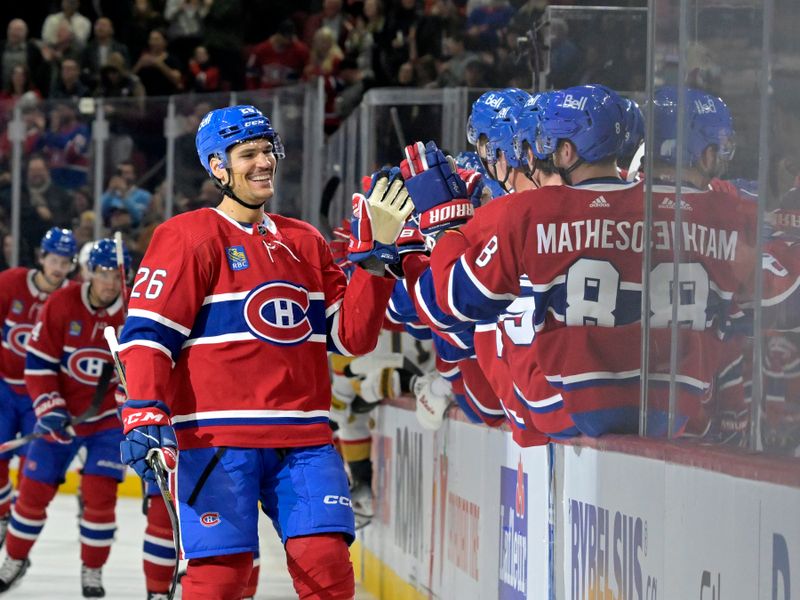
708, 122
493, 118
634, 127
103, 255
528, 126
589, 116
223, 128
60, 241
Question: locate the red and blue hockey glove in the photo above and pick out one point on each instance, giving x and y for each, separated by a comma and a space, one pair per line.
147, 429
52, 418
378, 217
440, 195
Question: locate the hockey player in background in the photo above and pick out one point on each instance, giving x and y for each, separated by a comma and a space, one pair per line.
225, 350
66, 354
581, 247
22, 295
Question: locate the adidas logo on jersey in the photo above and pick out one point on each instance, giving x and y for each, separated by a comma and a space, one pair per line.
670, 203
599, 202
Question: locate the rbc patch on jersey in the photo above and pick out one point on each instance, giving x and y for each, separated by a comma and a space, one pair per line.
237, 259
17, 307
75, 328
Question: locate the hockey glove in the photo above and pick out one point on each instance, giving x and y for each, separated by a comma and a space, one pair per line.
52, 418
147, 429
440, 195
433, 394
410, 241
378, 217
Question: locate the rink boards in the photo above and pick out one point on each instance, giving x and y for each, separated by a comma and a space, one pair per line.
464, 513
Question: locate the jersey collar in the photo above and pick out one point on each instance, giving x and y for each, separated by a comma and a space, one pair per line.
266, 222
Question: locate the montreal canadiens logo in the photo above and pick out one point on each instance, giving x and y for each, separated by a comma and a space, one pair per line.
277, 312
209, 519
18, 336
86, 364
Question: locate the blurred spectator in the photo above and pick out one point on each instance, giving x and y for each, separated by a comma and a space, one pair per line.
351, 82
115, 200
158, 70
20, 86
50, 204
79, 25
69, 85
143, 20
81, 202
84, 231
116, 82
64, 47
452, 71
132, 193
185, 29
99, 49
366, 42
278, 60
187, 176
224, 40
527, 15
8, 249
332, 17
208, 197
19, 50
428, 33
565, 57
475, 74
400, 31
65, 146
34, 122
325, 55
486, 24
203, 76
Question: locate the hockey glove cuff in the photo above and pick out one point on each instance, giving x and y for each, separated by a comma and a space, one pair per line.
52, 418
147, 429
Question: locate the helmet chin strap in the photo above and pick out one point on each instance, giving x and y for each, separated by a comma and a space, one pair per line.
226, 189
566, 171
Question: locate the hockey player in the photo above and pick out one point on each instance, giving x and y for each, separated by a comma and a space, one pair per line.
22, 295
586, 270
65, 356
231, 315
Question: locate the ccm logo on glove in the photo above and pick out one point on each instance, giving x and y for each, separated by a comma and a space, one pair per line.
145, 417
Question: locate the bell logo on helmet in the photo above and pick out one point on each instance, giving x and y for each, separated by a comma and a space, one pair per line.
575, 103
494, 100
206, 120
705, 108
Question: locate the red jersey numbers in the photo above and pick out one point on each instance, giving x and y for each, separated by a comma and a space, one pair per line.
155, 283
277, 312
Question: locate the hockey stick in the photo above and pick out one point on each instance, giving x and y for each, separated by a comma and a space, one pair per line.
122, 275
155, 460
94, 408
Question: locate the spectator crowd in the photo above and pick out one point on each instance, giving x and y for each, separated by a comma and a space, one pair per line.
58, 56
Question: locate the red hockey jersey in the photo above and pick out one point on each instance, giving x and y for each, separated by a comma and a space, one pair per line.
582, 249
67, 352
20, 304
230, 325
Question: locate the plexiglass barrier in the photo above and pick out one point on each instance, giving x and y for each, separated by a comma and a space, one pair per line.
718, 322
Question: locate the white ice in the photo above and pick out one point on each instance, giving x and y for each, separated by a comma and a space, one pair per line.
55, 560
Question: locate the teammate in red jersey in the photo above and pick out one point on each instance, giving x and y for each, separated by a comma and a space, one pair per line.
225, 349
22, 295
66, 355
581, 247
